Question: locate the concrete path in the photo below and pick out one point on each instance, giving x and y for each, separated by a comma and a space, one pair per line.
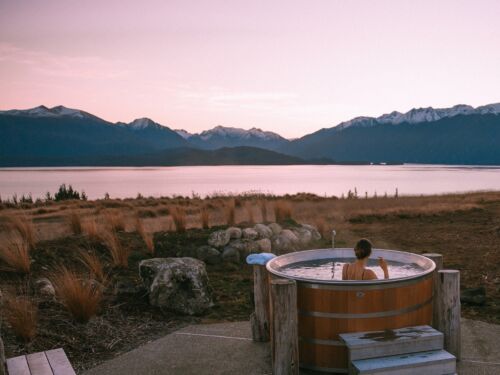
227, 348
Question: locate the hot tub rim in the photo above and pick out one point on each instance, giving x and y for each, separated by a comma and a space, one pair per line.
318, 283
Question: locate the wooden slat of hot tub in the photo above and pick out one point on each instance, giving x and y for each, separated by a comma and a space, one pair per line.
363, 301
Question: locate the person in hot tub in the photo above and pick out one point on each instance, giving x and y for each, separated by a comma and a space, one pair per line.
358, 270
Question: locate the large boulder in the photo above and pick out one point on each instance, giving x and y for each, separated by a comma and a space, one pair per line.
265, 245
219, 238
286, 241
209, 255
315, 235
231, 254
263, 230
250, 234
234, 233
303, 235
244, 247
177, 284
275, 228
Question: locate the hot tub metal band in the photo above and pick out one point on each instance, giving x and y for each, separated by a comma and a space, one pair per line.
380, 314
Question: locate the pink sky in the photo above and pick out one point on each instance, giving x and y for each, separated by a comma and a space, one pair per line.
288, 66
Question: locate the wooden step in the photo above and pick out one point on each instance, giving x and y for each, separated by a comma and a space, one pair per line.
436, 362
364, 345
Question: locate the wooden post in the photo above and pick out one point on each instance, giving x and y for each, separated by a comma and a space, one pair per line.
285, 340
438, 259
259, 319
448, 317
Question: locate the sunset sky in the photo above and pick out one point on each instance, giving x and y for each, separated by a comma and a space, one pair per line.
287, 66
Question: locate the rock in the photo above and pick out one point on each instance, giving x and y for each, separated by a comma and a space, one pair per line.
276, 228
286, 241
250, 234
474, 296
316, 236
219, 238
264, 245
234, 233
245, 247
177, 284
231, 254
209, 255
263, 230
45, 287
303, 235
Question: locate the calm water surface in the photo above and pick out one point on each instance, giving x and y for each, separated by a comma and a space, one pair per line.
318, 179
331, 269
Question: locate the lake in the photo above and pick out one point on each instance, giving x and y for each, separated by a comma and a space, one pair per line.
318, 179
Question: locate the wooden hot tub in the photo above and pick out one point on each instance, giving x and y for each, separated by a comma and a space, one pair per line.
327, 308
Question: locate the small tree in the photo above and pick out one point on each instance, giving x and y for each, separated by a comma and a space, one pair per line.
66, 193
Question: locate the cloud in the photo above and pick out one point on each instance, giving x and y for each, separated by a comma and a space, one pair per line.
49, 64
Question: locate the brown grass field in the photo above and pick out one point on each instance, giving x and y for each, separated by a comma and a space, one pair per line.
93, 248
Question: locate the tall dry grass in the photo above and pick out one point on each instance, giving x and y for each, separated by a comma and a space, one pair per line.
75, 222
146, 236
205, 217
15, 254
94, 265
179, 218
21, 313
249, 210
115, 221
263, 210
230, 212
79, 294
282, 210
91, 229
119, 253
24, 226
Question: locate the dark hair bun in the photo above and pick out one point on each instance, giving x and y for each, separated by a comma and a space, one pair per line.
363, 248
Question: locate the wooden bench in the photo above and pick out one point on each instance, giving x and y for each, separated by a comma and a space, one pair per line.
52, 362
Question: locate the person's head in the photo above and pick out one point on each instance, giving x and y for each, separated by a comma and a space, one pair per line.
363, 249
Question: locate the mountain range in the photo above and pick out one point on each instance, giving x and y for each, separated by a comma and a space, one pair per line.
63, 136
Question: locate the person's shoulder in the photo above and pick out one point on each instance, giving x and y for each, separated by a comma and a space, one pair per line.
369, 275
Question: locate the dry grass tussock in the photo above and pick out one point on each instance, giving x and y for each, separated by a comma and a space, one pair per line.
91, 229
282, 210
15, 254
146, 236
94, 265
115, 221
263, 210
75, 222
179, 218
230, 212
119, 253
21, 313
205, 217
24, 226
79, 294
249, 209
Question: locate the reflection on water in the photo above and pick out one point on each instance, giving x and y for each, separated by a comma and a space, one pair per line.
331, 269
317, 179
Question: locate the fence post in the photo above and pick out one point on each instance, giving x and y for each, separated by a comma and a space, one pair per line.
438, 259
259, 320
285, 341
448, 318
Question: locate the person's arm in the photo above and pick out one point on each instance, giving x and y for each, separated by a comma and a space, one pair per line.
383, 264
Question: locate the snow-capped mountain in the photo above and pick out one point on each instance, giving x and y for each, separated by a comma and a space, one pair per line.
43, 111
222, 136
419, 115
142, 124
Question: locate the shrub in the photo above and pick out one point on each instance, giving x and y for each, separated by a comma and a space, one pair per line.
79, 294
230, 211
91, 261
15, 254
75, 222
179, 218
66, 193
22, 315
282, 211
205, 217
119, 253
25, 228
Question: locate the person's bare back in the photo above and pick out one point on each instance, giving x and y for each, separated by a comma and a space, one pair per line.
358, 270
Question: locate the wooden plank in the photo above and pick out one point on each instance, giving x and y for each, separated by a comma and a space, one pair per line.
59, 362
438, 260
449, 310
38, 364
260, 317
18, 366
